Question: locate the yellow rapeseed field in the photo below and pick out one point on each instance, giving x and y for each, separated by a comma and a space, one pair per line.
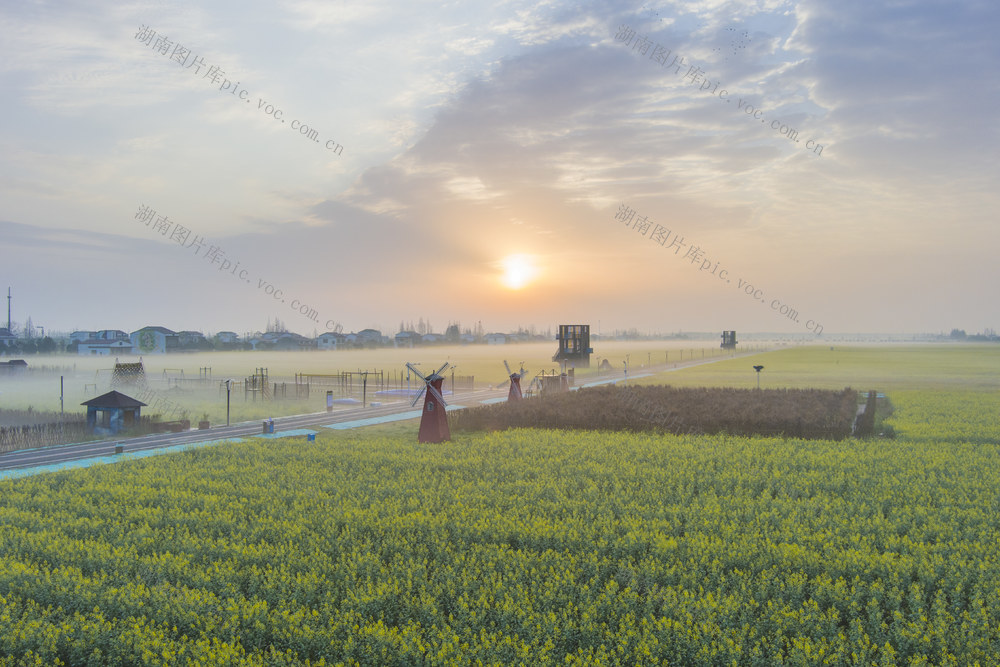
526, 547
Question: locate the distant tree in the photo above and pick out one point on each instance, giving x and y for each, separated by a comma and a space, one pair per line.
46, 345
957, 333
276, 327
421, 327
451, 334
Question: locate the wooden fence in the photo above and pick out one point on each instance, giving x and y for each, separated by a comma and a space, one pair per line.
13, 438
42, 435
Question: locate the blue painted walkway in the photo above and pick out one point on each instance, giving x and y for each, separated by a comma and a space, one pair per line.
98, 460
617, 380
117, 458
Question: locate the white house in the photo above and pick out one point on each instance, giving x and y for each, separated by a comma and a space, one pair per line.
104, 348
154, 340
281, 340
431, 338
191, 339
496, 339
109, 334
330, 340
227, 337
406, 339
371, 336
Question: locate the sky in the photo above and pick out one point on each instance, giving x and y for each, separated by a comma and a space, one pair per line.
800, 167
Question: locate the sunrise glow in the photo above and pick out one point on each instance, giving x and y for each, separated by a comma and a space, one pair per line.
518, 271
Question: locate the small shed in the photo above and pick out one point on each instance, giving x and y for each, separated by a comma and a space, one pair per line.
112, 412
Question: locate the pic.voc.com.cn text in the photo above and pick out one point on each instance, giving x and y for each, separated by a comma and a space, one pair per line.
215, 75
215, 255
661, 55
696, 256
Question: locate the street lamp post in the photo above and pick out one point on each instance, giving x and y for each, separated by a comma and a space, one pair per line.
228, 385
408, 376
758, 369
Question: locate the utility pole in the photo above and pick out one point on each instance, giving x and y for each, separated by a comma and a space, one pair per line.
8, 311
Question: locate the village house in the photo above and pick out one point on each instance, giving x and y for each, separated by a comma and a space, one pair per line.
154, 340
371, 337
104, 348
6, 337
406, 339
227, 338
330, 341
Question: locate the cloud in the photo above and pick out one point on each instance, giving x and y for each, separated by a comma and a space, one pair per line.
472, 132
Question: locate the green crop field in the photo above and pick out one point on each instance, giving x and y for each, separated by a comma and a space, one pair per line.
536, 546
883, 367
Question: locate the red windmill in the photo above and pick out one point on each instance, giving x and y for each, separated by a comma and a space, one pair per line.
433, 419
515, 383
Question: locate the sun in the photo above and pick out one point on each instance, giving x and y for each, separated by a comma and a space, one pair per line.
518, 271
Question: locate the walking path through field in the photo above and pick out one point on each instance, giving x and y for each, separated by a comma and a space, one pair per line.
61, 457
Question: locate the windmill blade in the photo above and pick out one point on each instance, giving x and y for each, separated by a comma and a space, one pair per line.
440, 370
434, 392
417, 397
507, 366
410, 366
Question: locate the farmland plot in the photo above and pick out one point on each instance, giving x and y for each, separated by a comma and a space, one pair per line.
533, 546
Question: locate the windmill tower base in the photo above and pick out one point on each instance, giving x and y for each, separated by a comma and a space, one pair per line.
434, 420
